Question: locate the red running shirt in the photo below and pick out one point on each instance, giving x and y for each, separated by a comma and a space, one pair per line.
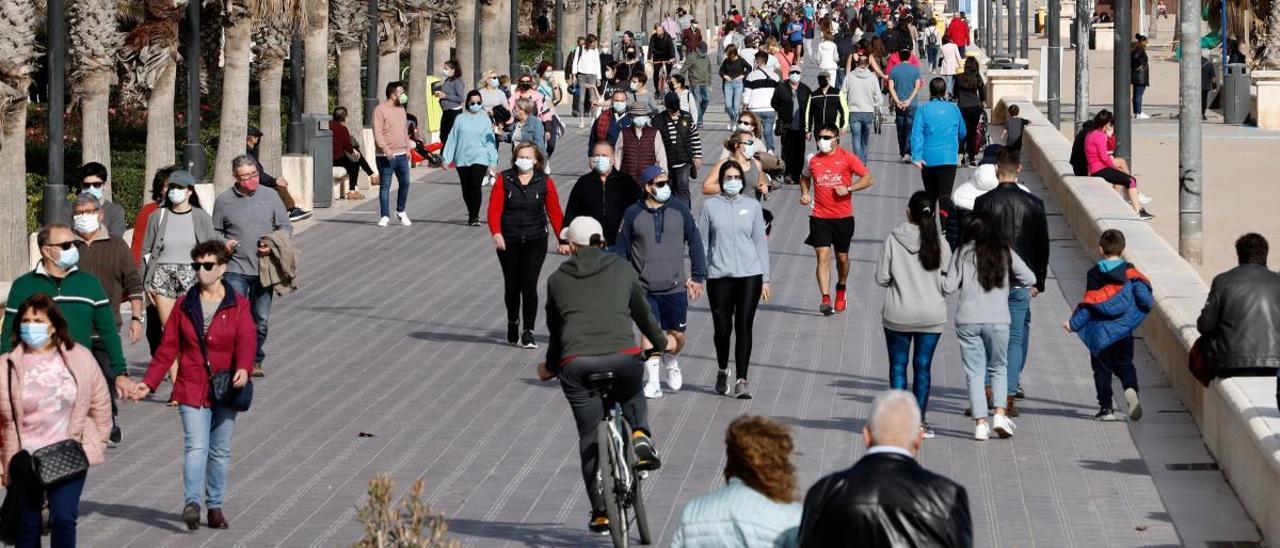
828, 172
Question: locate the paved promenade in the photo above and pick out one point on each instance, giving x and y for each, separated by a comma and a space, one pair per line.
389, 359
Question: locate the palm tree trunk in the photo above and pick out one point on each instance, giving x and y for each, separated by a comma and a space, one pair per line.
95, 130
388, 69
349, 88
270, 84
161, 139
573, 25
14, 256
464, 36
235, 101
316, 45
1272, 59
495, 19
440, 44
418, 41
608, 23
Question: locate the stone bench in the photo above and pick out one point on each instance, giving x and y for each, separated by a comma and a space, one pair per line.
1237, 417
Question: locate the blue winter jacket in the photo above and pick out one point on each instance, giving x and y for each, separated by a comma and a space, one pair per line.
936, 133
737, 515
1115, 303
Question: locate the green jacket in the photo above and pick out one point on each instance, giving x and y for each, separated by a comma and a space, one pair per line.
82, 302
697, 69
592, 301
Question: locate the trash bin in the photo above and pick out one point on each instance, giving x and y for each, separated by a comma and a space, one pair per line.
1235, 94
318, 143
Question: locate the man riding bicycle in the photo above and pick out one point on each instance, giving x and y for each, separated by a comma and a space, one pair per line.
592, 301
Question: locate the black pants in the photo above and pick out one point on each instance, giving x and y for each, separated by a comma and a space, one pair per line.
972, 141
680, 184
99, 351
1115, 359
521, 265
733, 304
472, 178
446, 123
938, 182
588, 407
155, 328
353, 169
793, 144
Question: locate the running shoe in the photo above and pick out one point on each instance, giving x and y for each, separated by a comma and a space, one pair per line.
906, 158
674, 379
742, 390
927, 431
1003, 426
1145, 215
384, 221
473, 222
981, 432
297, 214
825, 307
722, 382
1142, 116
257, 371
526, 340
1135, 406
117, 435
840, 304
1105, 415
513, 332
599, 523
404, 218
646, 453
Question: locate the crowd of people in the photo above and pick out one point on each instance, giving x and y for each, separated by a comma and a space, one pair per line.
200, 285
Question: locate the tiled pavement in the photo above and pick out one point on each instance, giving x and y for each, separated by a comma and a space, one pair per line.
395, 333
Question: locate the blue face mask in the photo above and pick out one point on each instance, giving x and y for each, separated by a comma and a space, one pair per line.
601, 163
34, 335
68, 258
177, 195
749, 150
619, 106
732, 185
96, 192
662, 193
641, 121
475, 108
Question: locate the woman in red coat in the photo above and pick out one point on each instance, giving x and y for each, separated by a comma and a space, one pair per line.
211, 322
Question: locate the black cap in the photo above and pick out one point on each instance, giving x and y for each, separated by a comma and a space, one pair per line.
254, 132
671, 101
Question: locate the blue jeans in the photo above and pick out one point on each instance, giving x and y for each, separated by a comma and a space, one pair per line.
206, 442
984, 348
259, 304
703, 94
951, 82
903, 119
840, 78
64, 510
768, 119
1138, 91
1019, 333
861, 124
899, 344
400, 165
733, 100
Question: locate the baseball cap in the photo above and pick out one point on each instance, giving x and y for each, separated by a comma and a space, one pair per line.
581, 230
181, 177
650, 173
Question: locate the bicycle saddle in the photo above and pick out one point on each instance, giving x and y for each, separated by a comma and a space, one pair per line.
604, 377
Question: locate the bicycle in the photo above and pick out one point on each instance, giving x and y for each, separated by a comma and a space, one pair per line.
618, 480
537, 60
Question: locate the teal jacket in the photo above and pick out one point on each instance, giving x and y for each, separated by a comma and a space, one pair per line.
471, 141
737, 515
83, 303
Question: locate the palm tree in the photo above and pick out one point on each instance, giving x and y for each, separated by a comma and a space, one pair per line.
18, 56
1271, 57
271, 40
442, 33
419, 30
349, 24
392, 37
316, 44
572, 25
150, 60
464, 26
95, 38
495, 19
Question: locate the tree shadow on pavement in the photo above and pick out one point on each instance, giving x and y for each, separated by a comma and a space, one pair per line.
492, 337
528, 534
1136, 467
150, 517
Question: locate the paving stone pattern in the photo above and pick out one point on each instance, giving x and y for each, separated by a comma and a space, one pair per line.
396, 332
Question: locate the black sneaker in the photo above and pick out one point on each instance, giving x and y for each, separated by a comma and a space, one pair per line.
526, 340
599, 523
722, 382
473, 222
1105, 415
646, 453
1145, 215
117, 435
191, 516
257, 371
297, 214
513, 332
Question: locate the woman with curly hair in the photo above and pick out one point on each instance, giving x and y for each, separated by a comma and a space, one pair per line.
758, 505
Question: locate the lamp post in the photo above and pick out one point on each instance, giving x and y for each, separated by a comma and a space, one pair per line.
1052, 28
558, 56
1120, 90
513, 38
295, 95
1190, 194
371, 66
55, 188
193, 150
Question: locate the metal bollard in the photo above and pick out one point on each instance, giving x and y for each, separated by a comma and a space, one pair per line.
319, 145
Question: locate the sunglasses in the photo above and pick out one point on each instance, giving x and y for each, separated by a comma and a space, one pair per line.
64, 245
93, 184
659, 184
826, 137
197, 265
474, 104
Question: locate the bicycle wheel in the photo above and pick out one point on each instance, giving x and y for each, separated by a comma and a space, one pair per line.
637, 497
610, 486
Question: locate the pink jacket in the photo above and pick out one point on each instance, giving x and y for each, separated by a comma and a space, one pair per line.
1096, 153
90, 414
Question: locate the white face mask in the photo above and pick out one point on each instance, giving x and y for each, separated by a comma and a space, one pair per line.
177, 196
732, 185
744, 127
87, 223
524, 164
795, 78
635, 86
826, 145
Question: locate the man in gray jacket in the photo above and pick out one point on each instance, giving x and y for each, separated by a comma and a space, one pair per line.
653, 237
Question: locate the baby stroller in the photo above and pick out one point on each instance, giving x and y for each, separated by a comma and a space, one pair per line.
979, 141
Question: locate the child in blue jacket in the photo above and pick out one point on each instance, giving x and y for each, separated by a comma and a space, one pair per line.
1117, 299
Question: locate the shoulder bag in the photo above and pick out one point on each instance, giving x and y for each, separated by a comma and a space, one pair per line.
222, 390
52, 463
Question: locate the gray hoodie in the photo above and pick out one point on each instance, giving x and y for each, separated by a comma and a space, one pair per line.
914, 301
862, 90
976, 305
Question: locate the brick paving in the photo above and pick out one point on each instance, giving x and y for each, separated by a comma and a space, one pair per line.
396, 333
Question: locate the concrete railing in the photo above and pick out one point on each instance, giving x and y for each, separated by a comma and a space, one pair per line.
1237, 417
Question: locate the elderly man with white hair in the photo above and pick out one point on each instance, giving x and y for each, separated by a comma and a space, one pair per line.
887, 498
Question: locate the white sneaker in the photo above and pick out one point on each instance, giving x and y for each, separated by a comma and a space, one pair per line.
730, 127
1143, 199
1143, 116
1003, 426
404, 218
981, 432
652, 389
384, 221
1135, 406
674, 379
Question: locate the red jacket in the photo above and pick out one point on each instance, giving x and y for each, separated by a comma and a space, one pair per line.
958, 32
140, 231
231, 341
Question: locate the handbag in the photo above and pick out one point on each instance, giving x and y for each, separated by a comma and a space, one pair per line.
222, 390
52, 463
1200, 364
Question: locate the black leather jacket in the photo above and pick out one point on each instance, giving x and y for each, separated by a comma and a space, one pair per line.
1021, 219
1241, 322
886, 500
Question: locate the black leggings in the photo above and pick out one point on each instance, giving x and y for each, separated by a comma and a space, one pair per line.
521, 265
793, 144
588, 409
446, 123
733, 303
472, 178
972, 140
353, 169
938, 182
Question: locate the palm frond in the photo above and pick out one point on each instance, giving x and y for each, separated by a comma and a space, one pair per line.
18, 52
